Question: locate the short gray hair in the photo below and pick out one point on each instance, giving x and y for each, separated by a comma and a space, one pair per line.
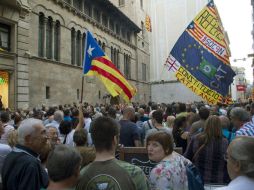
27, 128
62, 162
58, 116
240, 114
128, 109
242, 151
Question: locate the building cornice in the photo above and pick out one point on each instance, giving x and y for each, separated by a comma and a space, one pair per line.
93, 21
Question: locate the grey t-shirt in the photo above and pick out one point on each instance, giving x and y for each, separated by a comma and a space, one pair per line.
112, 174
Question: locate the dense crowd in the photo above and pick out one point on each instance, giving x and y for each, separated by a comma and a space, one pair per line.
74, 146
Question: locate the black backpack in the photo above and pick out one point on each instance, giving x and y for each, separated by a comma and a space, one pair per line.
195, 181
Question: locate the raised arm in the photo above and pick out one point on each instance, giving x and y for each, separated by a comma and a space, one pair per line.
80, 118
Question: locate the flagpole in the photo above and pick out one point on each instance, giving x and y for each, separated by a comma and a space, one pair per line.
82, 88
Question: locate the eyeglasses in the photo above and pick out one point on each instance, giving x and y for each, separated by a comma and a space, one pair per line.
227, 156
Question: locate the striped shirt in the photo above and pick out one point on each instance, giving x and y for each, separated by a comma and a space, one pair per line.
246, 130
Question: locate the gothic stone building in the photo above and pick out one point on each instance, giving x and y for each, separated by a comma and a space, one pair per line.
42, 47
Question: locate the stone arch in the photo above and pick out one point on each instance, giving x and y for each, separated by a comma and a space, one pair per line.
114, 45
76, 26
49, 13
127, 52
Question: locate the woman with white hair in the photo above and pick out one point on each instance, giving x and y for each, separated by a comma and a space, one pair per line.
240, 164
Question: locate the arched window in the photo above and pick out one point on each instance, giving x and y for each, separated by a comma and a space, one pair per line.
105, 20
127, 66
117, 59
83, 47
49, 38
111, 24
41, 35
49, 33
57, 41
117, 29
78, 48
73, 42
103, 47
112, 54
97, 15
87, 8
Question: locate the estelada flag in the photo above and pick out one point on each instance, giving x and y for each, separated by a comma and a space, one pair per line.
98, 64
200, 57
148, 24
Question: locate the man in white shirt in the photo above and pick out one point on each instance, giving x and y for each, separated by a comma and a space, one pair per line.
240, 164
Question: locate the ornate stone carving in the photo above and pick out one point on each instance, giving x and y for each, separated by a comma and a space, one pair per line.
25, 9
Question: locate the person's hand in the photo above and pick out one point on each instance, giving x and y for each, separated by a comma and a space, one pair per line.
185, 135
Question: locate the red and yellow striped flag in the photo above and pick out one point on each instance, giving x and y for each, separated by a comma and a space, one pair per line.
98, 64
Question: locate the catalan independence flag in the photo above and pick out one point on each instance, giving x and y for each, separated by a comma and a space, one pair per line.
98, 64
200, 57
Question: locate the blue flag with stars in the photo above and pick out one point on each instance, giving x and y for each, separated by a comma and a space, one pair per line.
202, 64
200, 57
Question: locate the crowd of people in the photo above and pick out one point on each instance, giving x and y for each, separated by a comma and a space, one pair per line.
74, 146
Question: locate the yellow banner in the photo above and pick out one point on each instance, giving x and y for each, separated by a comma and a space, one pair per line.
207, 21
197, 87
148, 24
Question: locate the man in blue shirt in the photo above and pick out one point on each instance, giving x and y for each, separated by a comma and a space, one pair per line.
129, 132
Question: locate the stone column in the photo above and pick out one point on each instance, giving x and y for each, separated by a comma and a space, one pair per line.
74, 48
53, 40
82, 6
80, 49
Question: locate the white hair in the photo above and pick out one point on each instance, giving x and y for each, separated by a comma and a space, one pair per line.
58, 116
242, 151
27, 128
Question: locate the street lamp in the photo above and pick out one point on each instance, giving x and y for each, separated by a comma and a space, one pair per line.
241, 59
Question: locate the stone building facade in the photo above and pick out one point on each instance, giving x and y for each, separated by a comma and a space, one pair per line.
42, 51
137, 11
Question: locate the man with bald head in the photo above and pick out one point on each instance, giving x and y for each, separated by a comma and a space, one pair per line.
129, 132
143, 118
